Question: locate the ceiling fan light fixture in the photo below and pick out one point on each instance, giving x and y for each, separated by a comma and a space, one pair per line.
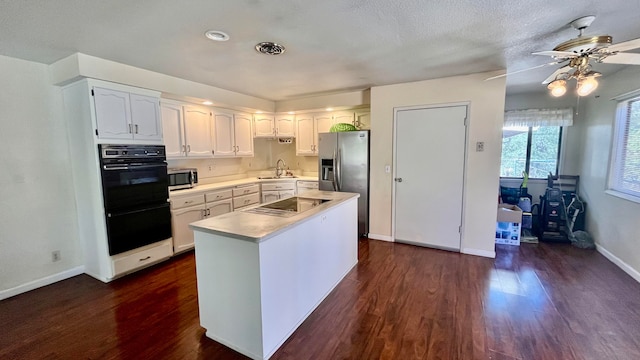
557, 87
586, 85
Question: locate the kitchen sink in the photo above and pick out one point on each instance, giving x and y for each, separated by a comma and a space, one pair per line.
277, 177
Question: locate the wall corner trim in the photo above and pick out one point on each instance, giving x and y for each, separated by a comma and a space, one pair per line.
380, 237
635, 274
48, 280
478, 252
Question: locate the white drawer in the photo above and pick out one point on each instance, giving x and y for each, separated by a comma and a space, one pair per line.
218, 195
246, 200
244, 190
131, 260
186, 201
278, 186
308, 184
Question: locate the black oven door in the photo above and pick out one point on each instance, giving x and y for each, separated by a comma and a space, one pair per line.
131, 229
128, 186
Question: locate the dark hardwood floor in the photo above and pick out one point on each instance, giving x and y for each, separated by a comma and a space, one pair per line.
546, 301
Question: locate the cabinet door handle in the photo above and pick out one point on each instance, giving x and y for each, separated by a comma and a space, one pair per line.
188, 202
188, 149
208, 212
147, 258
130, 129
213, 152
136, 128
184, 149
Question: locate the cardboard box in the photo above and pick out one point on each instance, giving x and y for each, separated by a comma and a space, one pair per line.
509, 224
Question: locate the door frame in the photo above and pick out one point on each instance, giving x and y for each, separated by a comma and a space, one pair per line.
396, 110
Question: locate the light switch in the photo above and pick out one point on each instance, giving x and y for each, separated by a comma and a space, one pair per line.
479, 146
387, 169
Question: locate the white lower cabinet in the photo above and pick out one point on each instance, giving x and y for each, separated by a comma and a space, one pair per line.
190, 208
180, 220
277, 190
304, 186
240, 202
219, 207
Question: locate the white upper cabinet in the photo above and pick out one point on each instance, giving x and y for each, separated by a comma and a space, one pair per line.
197, 130
187, 130
232, 133
127, 115
113, 113
243, 134
345, 117
264, 125
268, 125
363, 119
145, 116
173, 129
305, 140
323, 123
285, 125
223, 133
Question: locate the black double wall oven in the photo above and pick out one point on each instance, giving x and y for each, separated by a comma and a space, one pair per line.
135, 190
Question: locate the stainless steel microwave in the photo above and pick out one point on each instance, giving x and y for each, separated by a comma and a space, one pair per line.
182, 178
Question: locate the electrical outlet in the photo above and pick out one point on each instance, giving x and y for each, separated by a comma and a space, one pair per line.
480, 146
55, 256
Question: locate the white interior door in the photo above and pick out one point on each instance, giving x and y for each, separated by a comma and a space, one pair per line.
429, 171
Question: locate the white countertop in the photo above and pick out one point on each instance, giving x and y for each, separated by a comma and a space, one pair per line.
259, 227
226, 184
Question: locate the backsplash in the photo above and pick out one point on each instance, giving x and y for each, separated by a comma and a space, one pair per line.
267, 152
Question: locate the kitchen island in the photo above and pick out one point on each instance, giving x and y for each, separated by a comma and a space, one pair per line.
262, 271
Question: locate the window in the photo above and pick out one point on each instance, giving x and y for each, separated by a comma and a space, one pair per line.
624, 173
534, 149
531, 141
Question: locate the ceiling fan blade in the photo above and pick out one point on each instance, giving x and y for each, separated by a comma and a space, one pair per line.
553, 76
523, 70
624, 46
558, 54
623, 58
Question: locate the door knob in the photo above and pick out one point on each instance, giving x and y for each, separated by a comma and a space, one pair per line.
398, 179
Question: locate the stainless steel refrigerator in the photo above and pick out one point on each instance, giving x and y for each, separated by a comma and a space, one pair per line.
343, 165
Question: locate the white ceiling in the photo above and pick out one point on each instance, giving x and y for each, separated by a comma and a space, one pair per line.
332, 45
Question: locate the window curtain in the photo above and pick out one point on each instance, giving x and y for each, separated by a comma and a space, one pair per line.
538, 117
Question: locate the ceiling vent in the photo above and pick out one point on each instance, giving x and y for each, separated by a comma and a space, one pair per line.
270, 48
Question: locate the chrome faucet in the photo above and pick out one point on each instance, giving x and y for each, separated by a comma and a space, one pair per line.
279, 169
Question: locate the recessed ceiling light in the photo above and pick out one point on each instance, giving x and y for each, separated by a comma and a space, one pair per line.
258, 112
216, 35
269, 48
207, 103
329, 109
291, 112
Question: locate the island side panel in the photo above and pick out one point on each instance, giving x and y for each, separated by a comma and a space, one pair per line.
228, 281
300, 267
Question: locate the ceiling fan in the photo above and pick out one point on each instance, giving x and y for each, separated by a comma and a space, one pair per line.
576, 55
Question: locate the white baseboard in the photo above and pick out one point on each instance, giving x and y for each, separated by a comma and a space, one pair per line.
380, 237
478, 252
621, 264
5, 294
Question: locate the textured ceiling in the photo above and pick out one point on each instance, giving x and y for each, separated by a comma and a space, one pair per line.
331, 45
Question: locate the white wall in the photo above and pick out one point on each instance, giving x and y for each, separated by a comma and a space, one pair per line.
38, 213
483, 168
613, 222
